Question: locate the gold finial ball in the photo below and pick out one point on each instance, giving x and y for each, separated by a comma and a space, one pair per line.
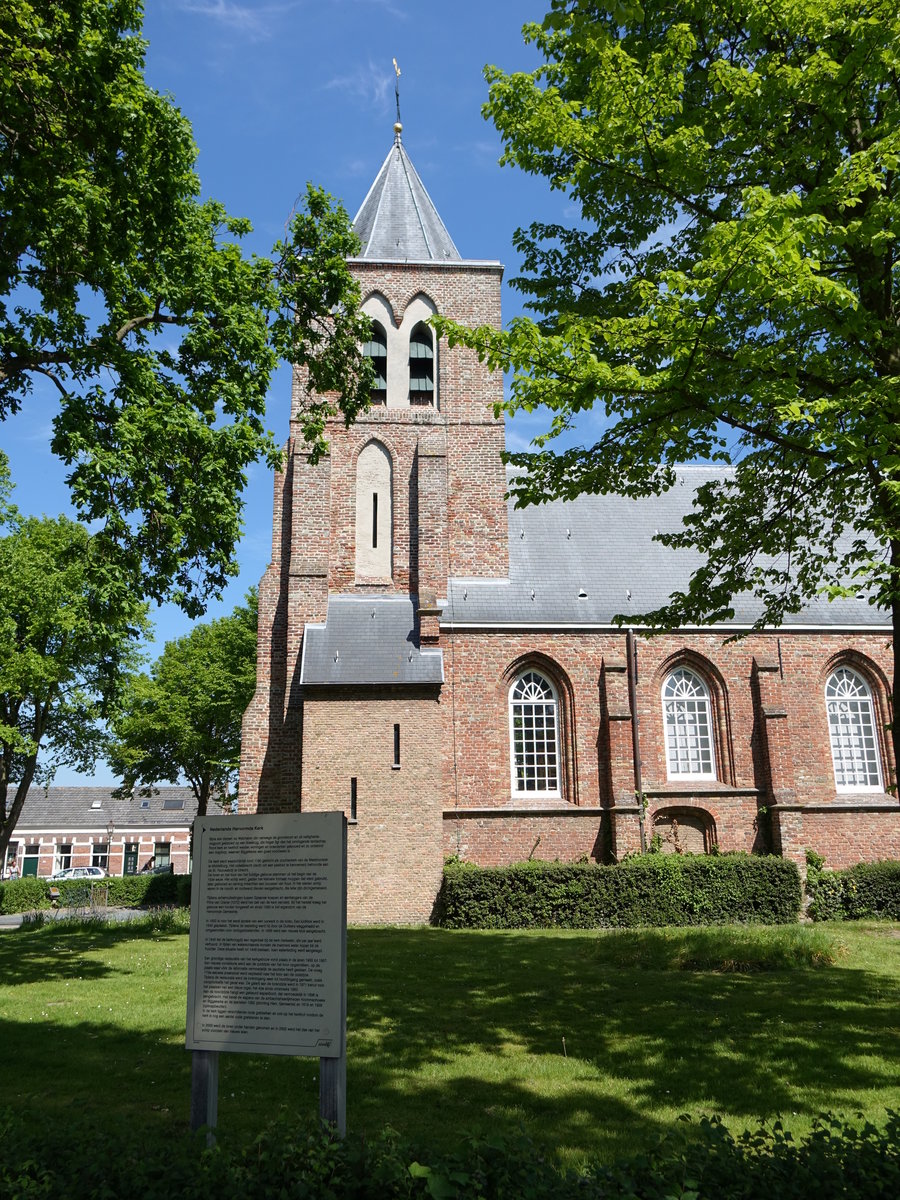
398, 128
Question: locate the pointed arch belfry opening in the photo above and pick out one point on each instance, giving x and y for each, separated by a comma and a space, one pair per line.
374, 513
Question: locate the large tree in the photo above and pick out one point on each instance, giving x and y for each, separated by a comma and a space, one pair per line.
728, 288
134, 297
184, 718
62, 649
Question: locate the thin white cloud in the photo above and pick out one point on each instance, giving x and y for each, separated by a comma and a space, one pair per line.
389, 7
517, 437
372, 83
257, 22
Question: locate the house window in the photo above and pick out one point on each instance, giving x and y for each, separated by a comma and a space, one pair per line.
534, 741
376, 350
421, 365
100, 855
162, 855
63, 857
688, 724
851, 724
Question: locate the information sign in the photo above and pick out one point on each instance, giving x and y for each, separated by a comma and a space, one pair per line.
268, 935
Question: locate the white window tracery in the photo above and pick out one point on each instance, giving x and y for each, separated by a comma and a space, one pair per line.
688, 723
534, 736
851, 726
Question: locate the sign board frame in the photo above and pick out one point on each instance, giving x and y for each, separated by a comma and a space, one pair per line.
267, 963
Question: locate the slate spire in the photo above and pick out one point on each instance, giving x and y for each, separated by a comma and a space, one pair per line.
397, 221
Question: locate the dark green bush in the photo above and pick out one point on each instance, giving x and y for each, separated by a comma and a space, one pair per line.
866, 890
873, 890
655, 889
827, 892
700, 1160
23, 895
128, 891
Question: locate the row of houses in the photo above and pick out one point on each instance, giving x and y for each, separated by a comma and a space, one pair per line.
63, 827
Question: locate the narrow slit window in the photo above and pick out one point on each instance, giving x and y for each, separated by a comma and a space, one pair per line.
396, 745
373, 513
352, 797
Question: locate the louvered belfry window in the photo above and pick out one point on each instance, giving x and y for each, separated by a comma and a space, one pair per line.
688, 722
851, 724
421, 365
534, 735
376, 350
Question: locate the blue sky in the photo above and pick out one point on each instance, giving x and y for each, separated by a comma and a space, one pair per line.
285, 92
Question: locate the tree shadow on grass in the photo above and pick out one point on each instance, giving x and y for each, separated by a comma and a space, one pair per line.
56, 950
649, 1043
462, 1032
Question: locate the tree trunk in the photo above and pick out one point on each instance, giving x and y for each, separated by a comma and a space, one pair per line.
15, 811
202, 794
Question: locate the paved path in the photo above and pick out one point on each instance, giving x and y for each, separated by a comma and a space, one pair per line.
14, 920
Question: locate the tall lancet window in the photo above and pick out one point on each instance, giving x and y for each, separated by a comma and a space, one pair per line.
376, 350
421, 365
374, 515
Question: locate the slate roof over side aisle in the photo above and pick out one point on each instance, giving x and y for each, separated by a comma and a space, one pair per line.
584, 561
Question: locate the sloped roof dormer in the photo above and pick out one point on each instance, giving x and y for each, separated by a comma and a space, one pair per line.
397, 221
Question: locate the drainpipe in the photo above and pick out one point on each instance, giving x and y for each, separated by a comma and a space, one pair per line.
631, 654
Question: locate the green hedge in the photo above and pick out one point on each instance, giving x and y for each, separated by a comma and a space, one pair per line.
655, 889
128, 891
866, 890
70, 1161
23, 895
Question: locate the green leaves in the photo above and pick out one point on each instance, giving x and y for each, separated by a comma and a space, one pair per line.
135, 298
184, 718
729, 289
63, 646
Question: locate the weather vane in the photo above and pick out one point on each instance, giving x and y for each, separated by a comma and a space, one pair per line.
397, 89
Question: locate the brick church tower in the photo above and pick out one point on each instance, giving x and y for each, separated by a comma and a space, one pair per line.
348, 712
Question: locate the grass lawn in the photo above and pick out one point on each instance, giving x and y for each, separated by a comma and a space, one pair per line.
595, 1042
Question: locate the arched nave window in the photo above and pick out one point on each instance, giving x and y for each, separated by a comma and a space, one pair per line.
851, 725
534, 735
688, 723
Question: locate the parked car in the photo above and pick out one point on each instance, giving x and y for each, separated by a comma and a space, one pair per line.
80, 873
